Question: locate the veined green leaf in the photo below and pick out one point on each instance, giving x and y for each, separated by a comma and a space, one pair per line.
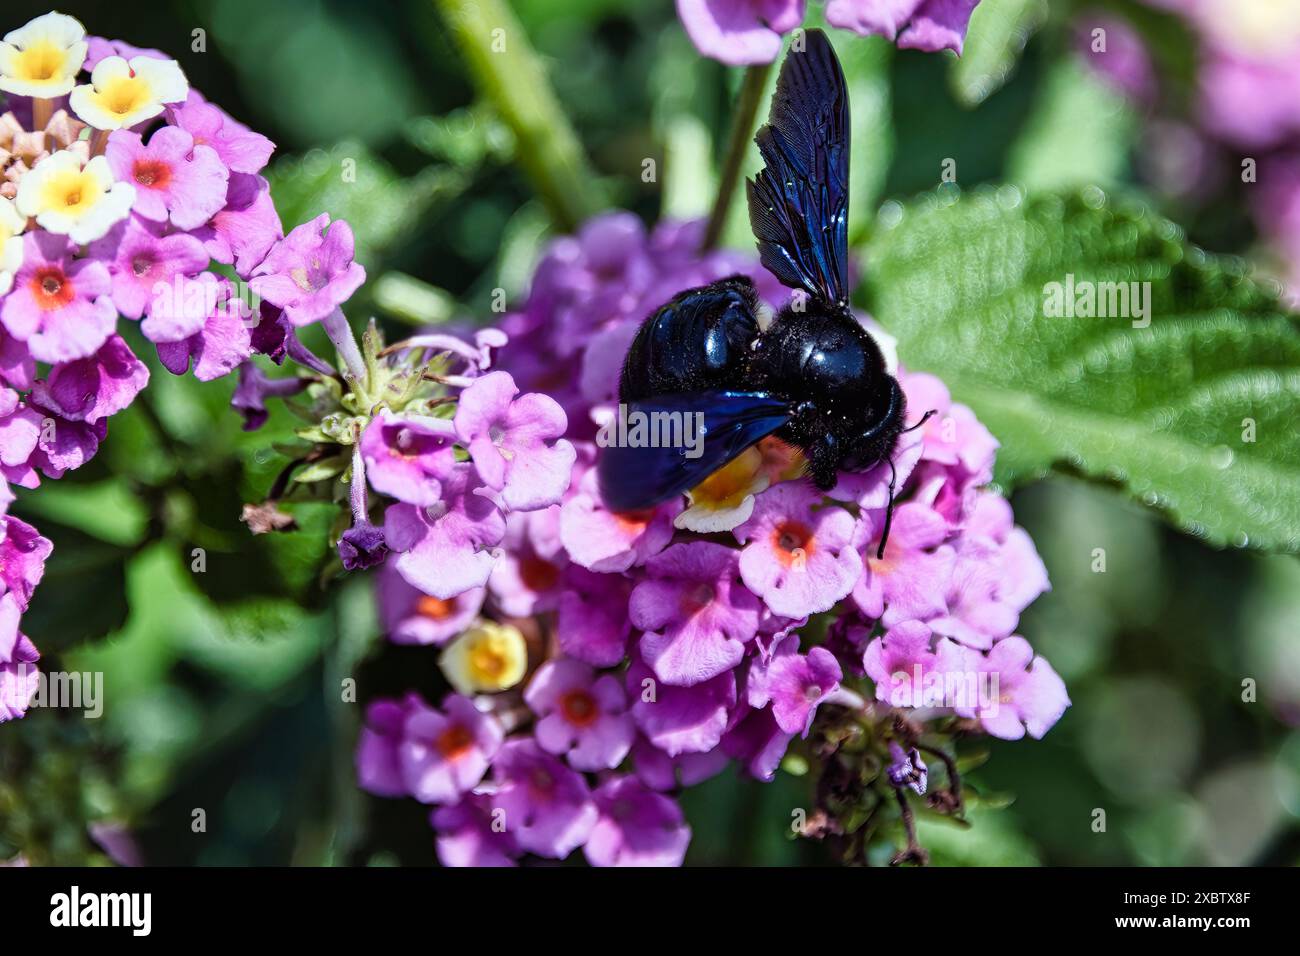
1193, 410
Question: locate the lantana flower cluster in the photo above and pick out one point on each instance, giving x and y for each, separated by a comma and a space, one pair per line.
125, 197
599, 662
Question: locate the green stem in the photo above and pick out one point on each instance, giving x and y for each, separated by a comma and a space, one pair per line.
751, 94
509, 74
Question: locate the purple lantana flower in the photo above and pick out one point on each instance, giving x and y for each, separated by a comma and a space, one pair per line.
444, 549
636, 827
901, 662
379, 768
406, 457
929, 25
605, 540
527, 579
548, 807
89, 389
244, 231
141, 257
411, 617
740, 32
59, 306
515, 441
444, 753
798, 556
175, 179
580, 715
473, 833
680, 720
238, 147
22, 559
592, 624
18, 656
309, 273
696, 614
220, 344
795, 685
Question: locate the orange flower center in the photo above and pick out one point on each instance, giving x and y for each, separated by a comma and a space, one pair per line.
52, 289
434, 608
455, 742
633, 522
538, 574
151, 173
793, 542
697, 598
579, 708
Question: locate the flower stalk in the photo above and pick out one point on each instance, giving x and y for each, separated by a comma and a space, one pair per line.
742, 128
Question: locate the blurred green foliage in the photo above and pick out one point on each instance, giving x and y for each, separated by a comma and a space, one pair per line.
225, 688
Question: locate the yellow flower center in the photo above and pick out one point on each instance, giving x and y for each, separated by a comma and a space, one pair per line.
123, 95
728, 486
70, 191
40, 62
489, 659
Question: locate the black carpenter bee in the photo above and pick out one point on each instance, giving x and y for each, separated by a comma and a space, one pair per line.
814, 378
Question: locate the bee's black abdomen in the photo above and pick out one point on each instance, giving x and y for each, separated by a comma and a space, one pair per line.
698, 341
850, 409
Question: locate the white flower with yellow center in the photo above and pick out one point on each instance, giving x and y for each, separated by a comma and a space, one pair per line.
725, 499
122, 94
1257, 29
42, 58
11, 243
80, 202
488, 657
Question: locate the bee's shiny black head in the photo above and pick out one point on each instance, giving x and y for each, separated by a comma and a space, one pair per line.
849, 408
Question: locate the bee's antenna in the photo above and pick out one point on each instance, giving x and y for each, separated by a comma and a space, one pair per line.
889, 508
924, 418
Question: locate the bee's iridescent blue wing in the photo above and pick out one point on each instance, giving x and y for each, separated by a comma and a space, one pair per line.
799, 202
633, 478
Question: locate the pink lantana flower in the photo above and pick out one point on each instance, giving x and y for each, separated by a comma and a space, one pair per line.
174, 178
696, 614
680, 720
900, 661
580, 715
527, 579
59, 306
911, 580
997, 574
798, 556
929, 25
1030, 696
310, 272
22, 559
515, 442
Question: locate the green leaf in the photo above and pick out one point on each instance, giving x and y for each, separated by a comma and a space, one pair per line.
1165, 412
82, 595
1078, 134
350, 182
